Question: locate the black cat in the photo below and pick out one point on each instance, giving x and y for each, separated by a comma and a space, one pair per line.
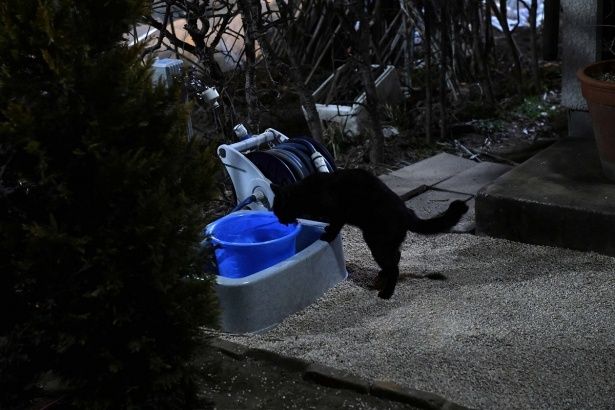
356, 197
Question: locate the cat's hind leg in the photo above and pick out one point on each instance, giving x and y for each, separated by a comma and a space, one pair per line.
386, 254
378, 281
389, 263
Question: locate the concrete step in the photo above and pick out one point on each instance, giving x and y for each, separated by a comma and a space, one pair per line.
558, 197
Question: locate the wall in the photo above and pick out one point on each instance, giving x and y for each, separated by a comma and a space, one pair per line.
580, 36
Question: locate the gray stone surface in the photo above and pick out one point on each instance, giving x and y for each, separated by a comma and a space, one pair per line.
472, 180
558, 198
580, 46
460, 179
403, 187
432, 170
432, 203
514, 326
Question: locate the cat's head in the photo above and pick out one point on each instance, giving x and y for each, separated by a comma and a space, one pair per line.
285, 205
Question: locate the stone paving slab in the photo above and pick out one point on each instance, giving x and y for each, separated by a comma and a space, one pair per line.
432, 202
403, 187
473, 179
432, 170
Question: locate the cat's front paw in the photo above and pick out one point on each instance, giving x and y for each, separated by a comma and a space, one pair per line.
387, 289
386, 293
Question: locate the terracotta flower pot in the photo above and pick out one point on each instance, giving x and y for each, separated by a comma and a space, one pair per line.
600, 96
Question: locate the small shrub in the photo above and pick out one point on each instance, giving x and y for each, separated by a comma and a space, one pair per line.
334, 138
533, 108
101, 198
399, 116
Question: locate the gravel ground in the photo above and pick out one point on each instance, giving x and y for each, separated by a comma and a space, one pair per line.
513, 326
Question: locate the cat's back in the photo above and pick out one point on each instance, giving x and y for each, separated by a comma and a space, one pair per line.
343, 180
356, 183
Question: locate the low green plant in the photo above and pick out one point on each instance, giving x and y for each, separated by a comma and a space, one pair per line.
490, 125
533, 108
334, 138
398, 116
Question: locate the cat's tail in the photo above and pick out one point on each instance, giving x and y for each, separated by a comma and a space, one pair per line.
440, 223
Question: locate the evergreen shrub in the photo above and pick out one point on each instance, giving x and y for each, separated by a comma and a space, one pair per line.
101, 208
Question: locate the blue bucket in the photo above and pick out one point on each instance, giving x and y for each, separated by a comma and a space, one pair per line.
250, 241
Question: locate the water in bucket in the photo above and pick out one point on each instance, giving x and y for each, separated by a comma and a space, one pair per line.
247, 242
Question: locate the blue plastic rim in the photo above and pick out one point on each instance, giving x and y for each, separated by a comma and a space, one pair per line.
247, 242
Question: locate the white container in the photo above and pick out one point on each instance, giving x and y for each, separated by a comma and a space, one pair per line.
354, 118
